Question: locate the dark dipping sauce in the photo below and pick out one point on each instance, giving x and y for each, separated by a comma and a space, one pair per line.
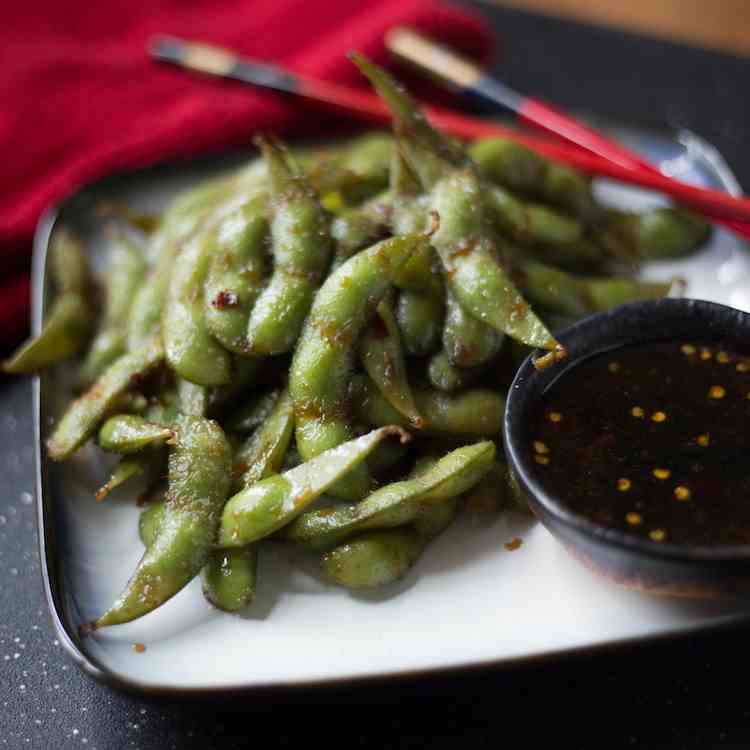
651, 440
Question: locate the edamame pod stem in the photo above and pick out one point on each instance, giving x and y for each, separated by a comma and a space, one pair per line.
324, 358
467, 341
84, 415
235, 273
230, 577
301, 250
199, 477
64, 333
564, 293
262, 454
266, 506
382, 357
478, 281
395, 504
128, 468
128, 433
124, 276
477, 412
191, 350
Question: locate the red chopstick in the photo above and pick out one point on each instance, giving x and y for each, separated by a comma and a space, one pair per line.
368, 106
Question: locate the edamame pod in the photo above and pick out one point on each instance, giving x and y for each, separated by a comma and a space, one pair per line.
383, 360
84, 415
128, 433
150, 521
324, 358
301, 250
192, 399
235, 273
199, 479
477, 412
359, 227
445, 376
125, 274
191, 350
127, 468
395, 504
253, 412
262, 454
230, 577
568, 294
509, 164
467, 341
420, 321
266, 506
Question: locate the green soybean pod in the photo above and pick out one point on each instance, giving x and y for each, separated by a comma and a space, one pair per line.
567, 294
359, 227
262, 454
420, 321
382, 358
445, 376
476, 412
230, 577
192, 399
191, 350
84, 415
124, 276
236, 271
398, 503
253, 412
128, 468
129, 433
199, 477
509, 164
266, 506
150, 520
467, 341
373, 559
301, 249
324, 358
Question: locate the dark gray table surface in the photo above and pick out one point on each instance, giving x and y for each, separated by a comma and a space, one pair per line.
683, 694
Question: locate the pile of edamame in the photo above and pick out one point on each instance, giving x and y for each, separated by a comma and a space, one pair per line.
314, 350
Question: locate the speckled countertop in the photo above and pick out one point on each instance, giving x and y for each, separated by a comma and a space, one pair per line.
680, 694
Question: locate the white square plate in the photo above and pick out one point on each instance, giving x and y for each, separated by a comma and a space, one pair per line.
468, 602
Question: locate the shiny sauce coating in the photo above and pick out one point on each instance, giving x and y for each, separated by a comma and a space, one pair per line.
651, 440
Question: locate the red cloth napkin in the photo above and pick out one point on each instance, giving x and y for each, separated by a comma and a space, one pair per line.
81, 99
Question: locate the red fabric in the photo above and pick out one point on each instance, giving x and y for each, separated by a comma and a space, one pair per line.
80, 98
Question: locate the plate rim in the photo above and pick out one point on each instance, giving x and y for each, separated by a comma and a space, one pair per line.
47, 543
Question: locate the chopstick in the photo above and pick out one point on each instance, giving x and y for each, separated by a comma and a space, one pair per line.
222, 63
450, 67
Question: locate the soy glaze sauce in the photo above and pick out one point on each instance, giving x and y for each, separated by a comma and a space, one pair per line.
652, 440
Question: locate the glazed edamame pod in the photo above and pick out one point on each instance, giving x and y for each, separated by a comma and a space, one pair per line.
382, 358
150, 521
373, 559
359, 227
199, 479
262, 454
192, 399
68, 322
420, 320
467, 341
129, 433
127, 468
476, 412
266, 506
324, 358
530, 223
301, 250
230, 577
253, 412
571, 191
235, 273
125, 274
661, 232
445, 376
191, 350
568, 294
492, 492
510, 164
84, 415
64, 332
395, 504
478, 281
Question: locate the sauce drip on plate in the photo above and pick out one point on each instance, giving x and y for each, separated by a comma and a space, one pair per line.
653, 440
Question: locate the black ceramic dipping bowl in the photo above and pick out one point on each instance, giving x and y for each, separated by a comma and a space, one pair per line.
658, 567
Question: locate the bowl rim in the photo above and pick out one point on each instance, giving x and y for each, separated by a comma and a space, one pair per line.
519, 404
